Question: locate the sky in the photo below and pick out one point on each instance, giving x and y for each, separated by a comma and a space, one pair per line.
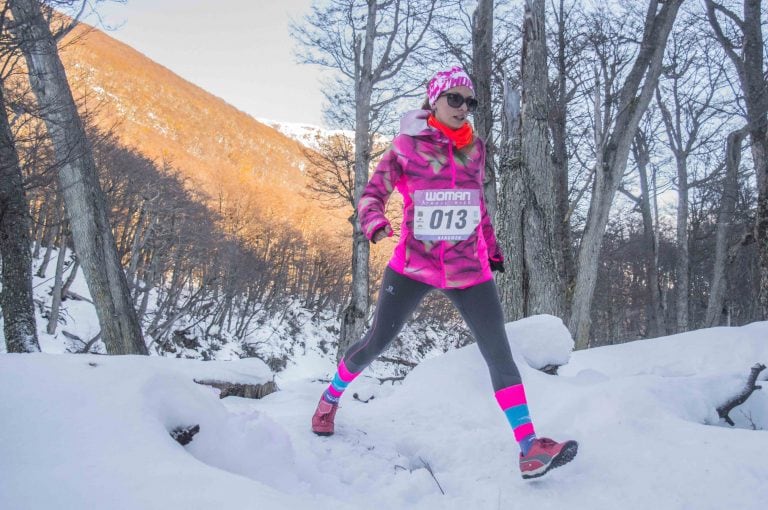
239, 50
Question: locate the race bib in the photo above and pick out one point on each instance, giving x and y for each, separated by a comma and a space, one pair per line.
445, 214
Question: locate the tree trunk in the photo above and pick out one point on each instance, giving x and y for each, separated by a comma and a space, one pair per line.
482, 58
512, 287
682, 266
50, 233
558, 126
750, 67
631, 107
354, 316
72, 275
58, 286
755, 87
79, 184
37, 233
655, 321
539, 219
16, 299
724, 227
137, 243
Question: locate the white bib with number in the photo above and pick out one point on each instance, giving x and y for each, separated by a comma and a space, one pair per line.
445, 214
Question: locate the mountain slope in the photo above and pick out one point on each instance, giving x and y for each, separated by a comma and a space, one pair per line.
227, 154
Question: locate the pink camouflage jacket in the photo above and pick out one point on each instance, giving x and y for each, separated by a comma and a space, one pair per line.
422, 158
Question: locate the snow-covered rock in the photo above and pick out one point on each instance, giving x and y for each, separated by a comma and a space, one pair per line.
541, 340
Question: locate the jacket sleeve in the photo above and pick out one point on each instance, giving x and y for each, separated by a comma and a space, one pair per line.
373, 201
494, 250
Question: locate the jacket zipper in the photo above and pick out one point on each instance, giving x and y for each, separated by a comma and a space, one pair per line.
453, 186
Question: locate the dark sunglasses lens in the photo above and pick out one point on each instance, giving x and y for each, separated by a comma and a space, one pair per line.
456, 100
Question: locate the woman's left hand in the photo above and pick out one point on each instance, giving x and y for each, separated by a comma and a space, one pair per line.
381, 234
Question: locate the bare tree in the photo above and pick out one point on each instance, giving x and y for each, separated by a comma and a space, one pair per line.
84, 199
370, 44
534, 205
331, 171
641, 149
567, 44
482, 62
510, 230
724, 227
16, 298
57, 293
633, 99
742, 40
687, 100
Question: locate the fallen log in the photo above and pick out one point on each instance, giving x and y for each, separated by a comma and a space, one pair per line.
742, 397
229, 389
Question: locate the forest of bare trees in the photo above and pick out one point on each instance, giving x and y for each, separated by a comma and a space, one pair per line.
628, 172
617, 131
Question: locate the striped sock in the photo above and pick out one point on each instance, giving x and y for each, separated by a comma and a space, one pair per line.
339, 383
514, 404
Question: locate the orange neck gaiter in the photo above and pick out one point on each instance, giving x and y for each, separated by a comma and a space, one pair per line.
460, 137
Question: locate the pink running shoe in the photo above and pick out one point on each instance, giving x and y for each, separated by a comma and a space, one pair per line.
546, 454
322, 421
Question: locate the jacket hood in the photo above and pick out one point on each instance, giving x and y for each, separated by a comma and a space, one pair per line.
414, 123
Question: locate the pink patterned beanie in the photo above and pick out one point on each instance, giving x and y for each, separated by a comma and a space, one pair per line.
444, 80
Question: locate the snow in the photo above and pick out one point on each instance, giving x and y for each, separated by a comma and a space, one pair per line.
541, 340
308, 135
90, 431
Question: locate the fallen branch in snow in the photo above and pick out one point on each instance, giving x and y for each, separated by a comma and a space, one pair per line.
357, 397
241, 390
398, 361
86, 348
382, 380
742, 397
184, 435
77, 297
429, 469
550, 369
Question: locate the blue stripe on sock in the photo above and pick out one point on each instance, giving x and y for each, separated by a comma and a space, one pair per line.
338, 384
518, 415
330, 398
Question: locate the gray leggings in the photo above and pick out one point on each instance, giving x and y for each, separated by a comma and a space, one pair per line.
479, 306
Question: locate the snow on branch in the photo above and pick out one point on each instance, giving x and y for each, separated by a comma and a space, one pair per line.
241, 390
184, 435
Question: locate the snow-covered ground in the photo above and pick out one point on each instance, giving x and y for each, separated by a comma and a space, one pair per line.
92, 431
89, 431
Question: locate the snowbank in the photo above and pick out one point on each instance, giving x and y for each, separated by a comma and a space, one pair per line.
541, 340
93, 432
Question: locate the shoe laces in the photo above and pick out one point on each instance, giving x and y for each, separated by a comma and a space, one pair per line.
330, 413
546, 442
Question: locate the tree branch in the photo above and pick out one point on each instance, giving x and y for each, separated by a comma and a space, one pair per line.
742, 397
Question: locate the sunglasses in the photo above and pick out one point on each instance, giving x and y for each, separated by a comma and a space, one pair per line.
456, 100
